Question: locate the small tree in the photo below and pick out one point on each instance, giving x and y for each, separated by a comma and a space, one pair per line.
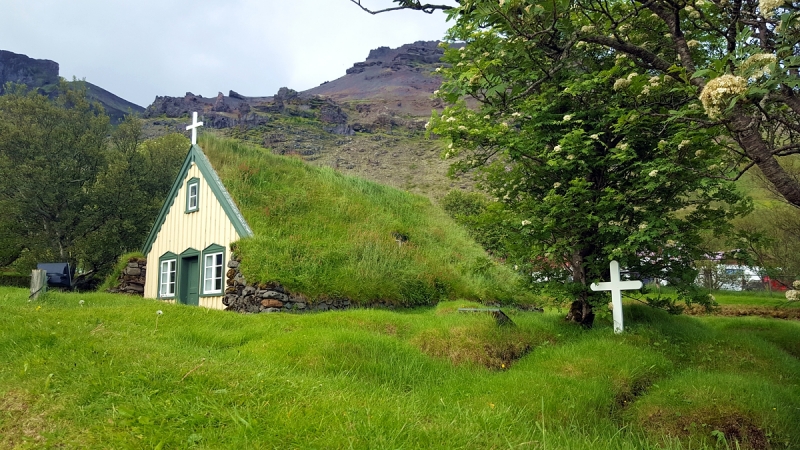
51, 153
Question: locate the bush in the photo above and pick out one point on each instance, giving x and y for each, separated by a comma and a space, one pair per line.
15, 280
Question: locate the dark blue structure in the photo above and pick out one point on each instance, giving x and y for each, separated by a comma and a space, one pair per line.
58, 274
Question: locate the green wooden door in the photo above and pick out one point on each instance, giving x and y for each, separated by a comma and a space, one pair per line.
190, 281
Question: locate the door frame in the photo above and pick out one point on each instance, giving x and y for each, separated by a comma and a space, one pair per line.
182, 297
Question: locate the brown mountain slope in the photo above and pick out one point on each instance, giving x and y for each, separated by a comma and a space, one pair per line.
370, 122
401, 79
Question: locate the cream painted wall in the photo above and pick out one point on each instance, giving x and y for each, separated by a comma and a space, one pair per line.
180, 231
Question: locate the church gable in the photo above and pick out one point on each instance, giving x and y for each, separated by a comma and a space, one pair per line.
198, 201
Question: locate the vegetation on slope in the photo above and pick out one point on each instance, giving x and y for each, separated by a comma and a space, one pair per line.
112, 373
327, 235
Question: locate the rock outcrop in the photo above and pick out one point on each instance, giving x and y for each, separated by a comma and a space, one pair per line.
42, 74
20, 69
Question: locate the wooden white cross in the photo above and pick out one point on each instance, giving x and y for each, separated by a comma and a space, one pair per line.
195, 124
616, 287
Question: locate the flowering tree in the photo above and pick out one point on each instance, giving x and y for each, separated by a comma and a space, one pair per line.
735, 62
589, 166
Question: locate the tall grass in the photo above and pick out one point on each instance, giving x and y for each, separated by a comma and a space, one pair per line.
325, 235
99, 375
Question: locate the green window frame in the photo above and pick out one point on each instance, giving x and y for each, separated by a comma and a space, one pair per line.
192, 195
213, 263
167, 275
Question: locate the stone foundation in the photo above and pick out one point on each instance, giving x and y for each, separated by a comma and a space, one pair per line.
131, 281
270, 297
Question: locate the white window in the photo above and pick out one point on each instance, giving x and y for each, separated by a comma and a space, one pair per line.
167, 288
212, 274
192, 197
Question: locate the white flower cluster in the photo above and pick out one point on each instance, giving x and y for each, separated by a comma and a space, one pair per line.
693, 13
526, 222
621, 83
792, 295
653, 173
796, 284
719, 91
768, 6
655, 81
758, 64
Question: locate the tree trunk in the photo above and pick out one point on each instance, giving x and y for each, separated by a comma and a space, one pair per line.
746, 131
580, 311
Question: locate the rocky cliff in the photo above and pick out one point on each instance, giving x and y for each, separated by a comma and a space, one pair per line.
42, 74
370, 122
372, 94
20, 69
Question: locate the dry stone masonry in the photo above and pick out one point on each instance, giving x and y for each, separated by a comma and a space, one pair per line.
268, 298
131, 281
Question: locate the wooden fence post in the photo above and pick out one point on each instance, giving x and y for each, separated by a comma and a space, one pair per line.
38, 283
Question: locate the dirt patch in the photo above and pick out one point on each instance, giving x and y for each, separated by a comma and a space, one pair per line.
737, 311
627, 394
742, 430
500, 357
17, 424
737, 430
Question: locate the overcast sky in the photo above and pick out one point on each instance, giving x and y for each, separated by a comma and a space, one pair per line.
138, 49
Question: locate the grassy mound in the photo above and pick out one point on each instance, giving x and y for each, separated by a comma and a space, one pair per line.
112, 373
327, 235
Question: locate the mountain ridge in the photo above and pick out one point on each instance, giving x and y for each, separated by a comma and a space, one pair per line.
43, 76
370, 122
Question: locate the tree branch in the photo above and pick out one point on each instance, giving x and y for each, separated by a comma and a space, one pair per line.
415, 5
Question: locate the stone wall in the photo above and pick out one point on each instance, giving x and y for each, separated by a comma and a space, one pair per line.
270, 297
131, 281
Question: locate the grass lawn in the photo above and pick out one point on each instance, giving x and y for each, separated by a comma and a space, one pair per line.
111, 373
754, 298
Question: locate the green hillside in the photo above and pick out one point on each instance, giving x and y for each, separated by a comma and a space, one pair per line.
106, 371
328, 235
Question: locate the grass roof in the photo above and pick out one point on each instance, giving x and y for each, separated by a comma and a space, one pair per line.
327, 235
